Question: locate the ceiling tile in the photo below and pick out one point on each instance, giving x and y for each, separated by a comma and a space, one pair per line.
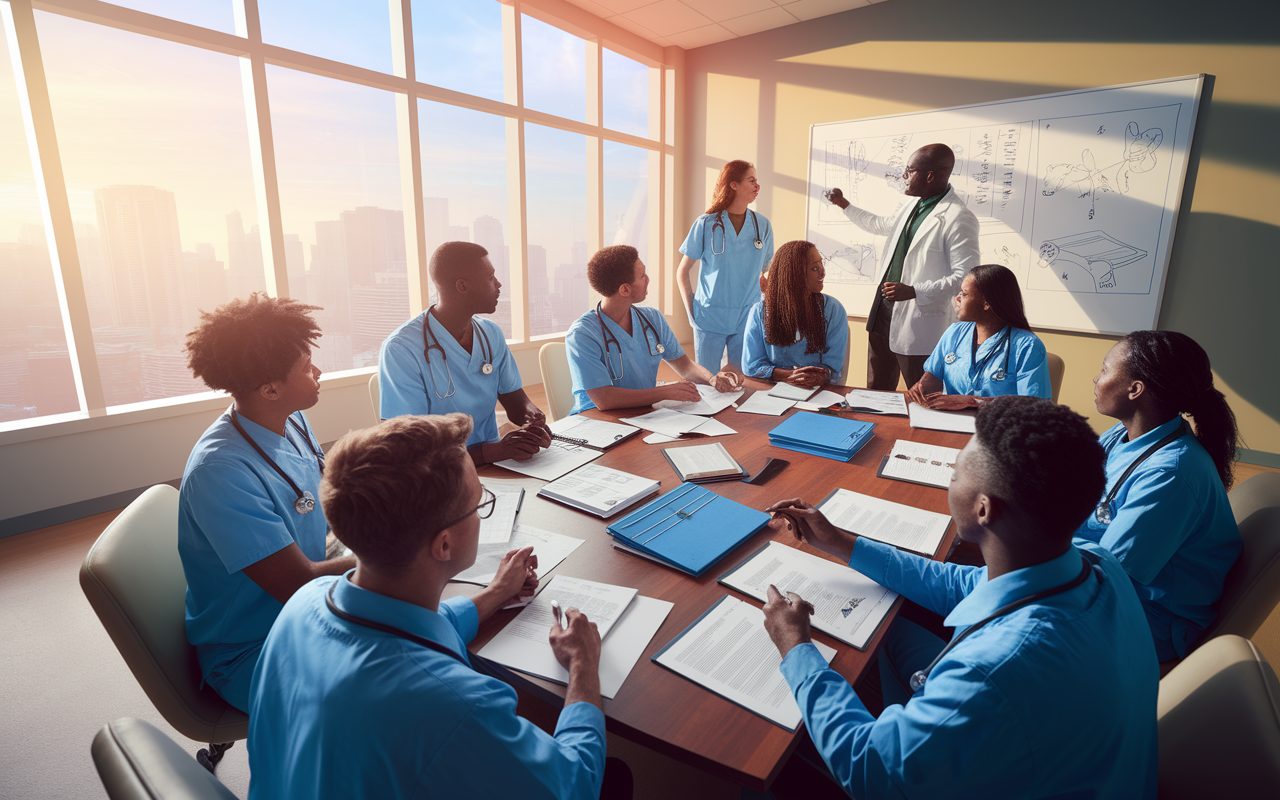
667, 17
720, 10
760, 21
623, 6
699, 37
594, 7
812, 9
628, 25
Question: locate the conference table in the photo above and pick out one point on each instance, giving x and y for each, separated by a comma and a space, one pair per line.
656, 707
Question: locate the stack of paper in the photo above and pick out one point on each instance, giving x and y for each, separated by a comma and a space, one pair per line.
497, 528
915, 462
868, 402
626, 623
704, 463
666, 421
599, 490
550, 548
689, 528
892, 523
594, 433
822, 435
823, 399
711, 402
561, 457
953, 421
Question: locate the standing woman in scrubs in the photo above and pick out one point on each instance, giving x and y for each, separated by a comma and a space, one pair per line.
1165, 515
797, 334
734, 245
991, 351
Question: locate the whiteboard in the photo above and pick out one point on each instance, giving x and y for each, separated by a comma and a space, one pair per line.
1076, 192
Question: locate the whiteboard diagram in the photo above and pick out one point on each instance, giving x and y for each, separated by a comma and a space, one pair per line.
1076, 192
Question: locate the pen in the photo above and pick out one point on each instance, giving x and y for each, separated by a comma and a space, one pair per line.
555, 609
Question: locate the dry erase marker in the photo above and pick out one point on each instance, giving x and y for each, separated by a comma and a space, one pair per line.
555, 609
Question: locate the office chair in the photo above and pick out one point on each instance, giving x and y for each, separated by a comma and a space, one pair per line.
1219, 724
553, 360
133, 578
138, 762
1252, 588
1057, 368
375, 398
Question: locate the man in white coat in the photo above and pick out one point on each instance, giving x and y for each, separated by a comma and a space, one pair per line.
931, 245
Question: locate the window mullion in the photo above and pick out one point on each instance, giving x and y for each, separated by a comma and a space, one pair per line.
407, 134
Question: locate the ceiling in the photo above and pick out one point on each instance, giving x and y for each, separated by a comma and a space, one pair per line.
695, 23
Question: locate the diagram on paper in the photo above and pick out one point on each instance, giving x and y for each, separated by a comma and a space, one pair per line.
1090, 255
1086, 180
853, 264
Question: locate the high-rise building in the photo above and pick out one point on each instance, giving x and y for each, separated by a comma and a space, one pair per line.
165, 373
296, 265
435, 218
329, 280
244, 258
206, 280
375, 243
139, 228
376, 311
541, 318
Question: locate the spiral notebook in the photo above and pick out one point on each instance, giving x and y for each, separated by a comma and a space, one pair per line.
594, 433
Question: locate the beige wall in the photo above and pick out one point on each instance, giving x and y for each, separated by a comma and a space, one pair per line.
755, 98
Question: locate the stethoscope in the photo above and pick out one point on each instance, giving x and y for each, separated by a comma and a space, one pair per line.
999, 374
486, 353
1103, 513
646, 328
724, 237
394, 631
920, 676
306, 502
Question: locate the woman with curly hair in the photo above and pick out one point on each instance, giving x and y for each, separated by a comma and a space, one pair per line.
797, 334
734, 245
1165, 513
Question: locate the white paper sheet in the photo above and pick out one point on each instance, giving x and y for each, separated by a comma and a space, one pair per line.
791, 392
763, 403
847, 604
664, 420
713, 427
602, 491
823, 399
921, 463
712, 402
703, 460
550, 548
497, 527
953, 421
729, 653
618, 653
893, 523
560, 458
593, 432
660, 438
866, 400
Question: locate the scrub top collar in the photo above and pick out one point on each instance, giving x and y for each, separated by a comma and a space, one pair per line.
407, 617
475, 359
271, 442
1119, 447
1013, 586
637, 329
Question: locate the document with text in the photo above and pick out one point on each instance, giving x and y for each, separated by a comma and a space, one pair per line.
710, 402
846, 604
872, 402
792, 392
497, 527
952, 421
916, 462
550, 548
728, 651
559, 459
765, 403
885, 521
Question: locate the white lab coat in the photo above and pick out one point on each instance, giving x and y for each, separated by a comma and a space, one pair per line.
943, 251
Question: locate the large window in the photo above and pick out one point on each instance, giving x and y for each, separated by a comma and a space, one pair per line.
196, 168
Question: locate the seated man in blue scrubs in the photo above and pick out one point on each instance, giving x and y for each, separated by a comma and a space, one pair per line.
614, 350
1048, 688
366, 688
991, 351
796, 334
249, 530
446, 359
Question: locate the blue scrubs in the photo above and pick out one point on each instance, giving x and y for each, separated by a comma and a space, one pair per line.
1056, 699
405, 381
636, 368
728, 282
1024, 372
233, 511
1173, 531
340, 710
759, 357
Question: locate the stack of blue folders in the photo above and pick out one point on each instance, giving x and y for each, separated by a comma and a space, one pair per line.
822, 435
689, 528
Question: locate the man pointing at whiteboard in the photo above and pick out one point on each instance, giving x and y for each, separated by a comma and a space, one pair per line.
931, 245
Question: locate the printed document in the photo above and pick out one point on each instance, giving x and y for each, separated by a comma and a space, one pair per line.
595, 433
729, 652
892, 523
823, 399
559, 459
496, 529
712, 402
703, 461
953, 421
598, 490
921, 463
664, 420
846, 604
791, 392
866, 400
550, 548
765, 403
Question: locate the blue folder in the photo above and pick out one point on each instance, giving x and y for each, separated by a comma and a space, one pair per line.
823, 435
689, 527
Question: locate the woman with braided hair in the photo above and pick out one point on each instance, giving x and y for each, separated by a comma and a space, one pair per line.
797, 334
1165, 515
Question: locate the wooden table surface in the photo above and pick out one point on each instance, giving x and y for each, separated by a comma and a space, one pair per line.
656, 707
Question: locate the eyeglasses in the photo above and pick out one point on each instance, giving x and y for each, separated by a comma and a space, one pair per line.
487, 502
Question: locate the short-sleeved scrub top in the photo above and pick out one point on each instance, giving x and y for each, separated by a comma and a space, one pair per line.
1013, 361
233, 511
1171, 529
407, 385
630, 360
729, 278
759, 358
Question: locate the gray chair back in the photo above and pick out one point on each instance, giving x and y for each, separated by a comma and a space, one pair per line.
1252, 588
137, 762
